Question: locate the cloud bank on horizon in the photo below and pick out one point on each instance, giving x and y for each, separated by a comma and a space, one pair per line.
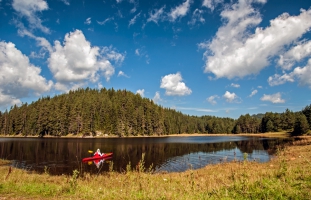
200, 57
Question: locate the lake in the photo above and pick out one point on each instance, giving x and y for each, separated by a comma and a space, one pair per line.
172, 154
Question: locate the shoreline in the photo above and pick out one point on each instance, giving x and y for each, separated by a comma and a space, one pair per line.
269, 134
287, 175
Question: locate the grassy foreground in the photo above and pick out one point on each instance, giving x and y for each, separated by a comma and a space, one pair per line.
288, 176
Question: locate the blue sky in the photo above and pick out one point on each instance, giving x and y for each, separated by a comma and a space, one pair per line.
200, 57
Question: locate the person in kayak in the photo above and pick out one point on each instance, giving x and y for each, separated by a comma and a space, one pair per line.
97, 153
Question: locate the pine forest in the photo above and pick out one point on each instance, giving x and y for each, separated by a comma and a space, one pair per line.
94, 112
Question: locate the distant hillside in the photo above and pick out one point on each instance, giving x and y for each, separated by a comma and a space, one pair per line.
106, 111
123, 113
258, 116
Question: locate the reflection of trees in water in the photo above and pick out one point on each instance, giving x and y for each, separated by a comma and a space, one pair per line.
269, 145
158, 153
62, 156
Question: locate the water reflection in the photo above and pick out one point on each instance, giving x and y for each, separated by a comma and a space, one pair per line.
63, 155
97, 162
201, 159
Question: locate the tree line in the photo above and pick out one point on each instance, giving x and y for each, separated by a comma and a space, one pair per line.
123, 113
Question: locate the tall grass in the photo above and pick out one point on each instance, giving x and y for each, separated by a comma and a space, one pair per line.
288, 176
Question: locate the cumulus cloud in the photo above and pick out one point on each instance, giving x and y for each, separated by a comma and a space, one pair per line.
253, 93
76, 62
231, 97
211, 4
156, 15
295, 54
157, 97
303, 74
180, 11
278, 79
212, 99
111, 54
274, 98
236, 52
19, 78
141, 92
173, 85
28, 9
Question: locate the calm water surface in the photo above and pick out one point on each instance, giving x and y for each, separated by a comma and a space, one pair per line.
172, 154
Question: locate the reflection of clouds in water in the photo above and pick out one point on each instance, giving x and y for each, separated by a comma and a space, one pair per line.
201, 159
21, 165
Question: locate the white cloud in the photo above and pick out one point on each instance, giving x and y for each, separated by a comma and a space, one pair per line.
212, 100
141, 92
88, 21
121, 73
156, 15
253, 93
211, 4
295, 54
260, 1
157, 97
133, 20
137, 52
111, 54
180, 11
274, 98
42, 42
197, 16
142, 53
135, 6
28, 9
276, 79
235, 85
105, 21
236, 52
76, 62
259, 86
66, 2
173, 85
19, 78
231, 97
303, 74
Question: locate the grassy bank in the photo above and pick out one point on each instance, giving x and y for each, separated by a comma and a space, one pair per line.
288, 176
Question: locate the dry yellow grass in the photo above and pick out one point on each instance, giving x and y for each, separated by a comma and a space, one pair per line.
287, 176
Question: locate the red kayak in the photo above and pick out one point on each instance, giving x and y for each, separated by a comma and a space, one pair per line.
97, 157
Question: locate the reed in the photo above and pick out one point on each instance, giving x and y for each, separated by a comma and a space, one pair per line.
288, 176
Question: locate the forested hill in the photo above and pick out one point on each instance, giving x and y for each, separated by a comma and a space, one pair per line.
122, 113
